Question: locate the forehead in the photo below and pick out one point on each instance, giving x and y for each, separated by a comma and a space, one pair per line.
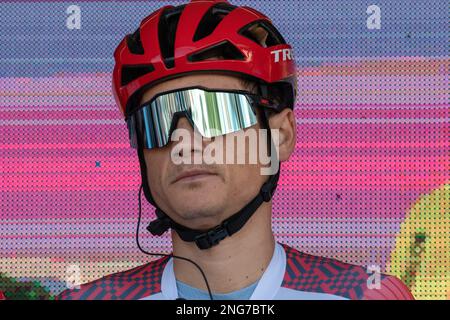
210, 81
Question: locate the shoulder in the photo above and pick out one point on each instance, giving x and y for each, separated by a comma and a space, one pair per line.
315, 274
135, 283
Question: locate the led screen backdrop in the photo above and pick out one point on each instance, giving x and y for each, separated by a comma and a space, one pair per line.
368, 183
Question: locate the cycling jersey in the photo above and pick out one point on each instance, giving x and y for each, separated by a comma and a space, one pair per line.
290, 275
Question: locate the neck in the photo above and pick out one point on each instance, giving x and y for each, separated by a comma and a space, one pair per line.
236, 262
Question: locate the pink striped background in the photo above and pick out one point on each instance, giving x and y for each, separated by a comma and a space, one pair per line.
372, 137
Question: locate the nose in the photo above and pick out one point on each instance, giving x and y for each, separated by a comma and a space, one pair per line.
183, 123
195, 144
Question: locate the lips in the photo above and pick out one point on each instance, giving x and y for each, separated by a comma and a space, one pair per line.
192, 174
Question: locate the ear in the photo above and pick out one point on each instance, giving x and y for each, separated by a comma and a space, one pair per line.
284, 121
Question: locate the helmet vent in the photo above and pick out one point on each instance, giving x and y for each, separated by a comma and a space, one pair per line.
211, 20
262, 33
130, 73
134, 43
222, 51
167, 29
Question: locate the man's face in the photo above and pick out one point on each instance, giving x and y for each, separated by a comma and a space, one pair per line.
199, 195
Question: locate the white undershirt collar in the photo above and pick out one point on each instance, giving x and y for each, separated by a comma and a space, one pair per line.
271, 278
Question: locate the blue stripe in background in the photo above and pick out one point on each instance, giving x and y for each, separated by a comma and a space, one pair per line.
35, 41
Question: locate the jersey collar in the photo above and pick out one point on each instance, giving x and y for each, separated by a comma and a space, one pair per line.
271, 278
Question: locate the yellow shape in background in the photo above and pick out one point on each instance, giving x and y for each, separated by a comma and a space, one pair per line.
421, 258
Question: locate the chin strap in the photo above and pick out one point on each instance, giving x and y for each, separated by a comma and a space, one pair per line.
206, 239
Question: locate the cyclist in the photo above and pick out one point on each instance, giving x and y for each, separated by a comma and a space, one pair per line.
216, 70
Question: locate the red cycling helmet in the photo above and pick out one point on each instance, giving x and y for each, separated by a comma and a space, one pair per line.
202, 28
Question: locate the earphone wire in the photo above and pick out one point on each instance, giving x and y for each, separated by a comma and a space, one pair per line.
166, 254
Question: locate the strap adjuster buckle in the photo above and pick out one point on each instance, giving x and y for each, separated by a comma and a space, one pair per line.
212, 237
159, 226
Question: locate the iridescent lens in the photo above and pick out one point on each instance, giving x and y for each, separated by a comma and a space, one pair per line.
213, 113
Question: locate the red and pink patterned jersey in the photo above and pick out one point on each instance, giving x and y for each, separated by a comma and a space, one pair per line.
291, 275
